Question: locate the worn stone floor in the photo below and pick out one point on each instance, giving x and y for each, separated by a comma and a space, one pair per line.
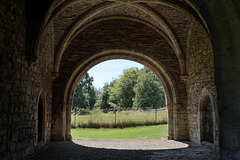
122, 150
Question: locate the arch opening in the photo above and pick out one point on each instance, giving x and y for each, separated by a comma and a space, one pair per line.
172, 98
41, 120
206, 120
132, 73
169, 68
153, 65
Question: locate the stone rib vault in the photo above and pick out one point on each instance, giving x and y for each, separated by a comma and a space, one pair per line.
192, 47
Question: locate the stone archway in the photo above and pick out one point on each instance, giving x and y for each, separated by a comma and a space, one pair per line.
109, 38
193, 37
172, 97
206, 13
207, 121
206, 118
166, 30
41, 120
143, 31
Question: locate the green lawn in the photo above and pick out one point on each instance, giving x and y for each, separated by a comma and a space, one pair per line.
142, 132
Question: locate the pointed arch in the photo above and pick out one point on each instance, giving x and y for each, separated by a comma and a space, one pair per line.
172, 97
41, 119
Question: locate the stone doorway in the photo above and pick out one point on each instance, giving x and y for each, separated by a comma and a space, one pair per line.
207, 121
40, 121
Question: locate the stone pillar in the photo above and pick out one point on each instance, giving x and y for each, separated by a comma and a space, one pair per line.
58, 121
180, 123
68, 123
170, 123
224, 26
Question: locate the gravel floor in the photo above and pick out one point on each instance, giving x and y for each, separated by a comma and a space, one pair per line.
123, 149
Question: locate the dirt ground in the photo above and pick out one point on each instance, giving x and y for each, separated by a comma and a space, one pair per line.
123, 150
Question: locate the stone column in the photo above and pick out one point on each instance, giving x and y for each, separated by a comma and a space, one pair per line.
224, 26
170, 122
68, 123
58, 118
180, 123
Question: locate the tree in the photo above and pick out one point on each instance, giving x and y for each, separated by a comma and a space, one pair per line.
113, 99
102, 101
79, 99
90, 97
148, 91
84, 95
98, 92
121, 93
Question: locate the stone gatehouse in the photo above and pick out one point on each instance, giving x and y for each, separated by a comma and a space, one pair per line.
192, 46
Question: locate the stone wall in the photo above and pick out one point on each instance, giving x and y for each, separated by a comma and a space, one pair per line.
200, 66
223, 17
21, 85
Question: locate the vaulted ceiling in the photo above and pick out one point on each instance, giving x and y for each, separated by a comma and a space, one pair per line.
170, 20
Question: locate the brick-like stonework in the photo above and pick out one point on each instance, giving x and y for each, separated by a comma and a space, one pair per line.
200, 65
20, 84
171, 22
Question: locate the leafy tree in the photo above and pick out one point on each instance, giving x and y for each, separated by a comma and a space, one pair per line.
102, 101
122, 94
84, 95
148, 91
90, 97
113, 99
79, 99
134, 88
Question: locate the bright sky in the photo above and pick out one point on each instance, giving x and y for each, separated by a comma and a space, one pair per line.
108, 70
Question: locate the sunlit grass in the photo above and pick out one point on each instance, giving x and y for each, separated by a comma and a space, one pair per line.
123, 119
141, 132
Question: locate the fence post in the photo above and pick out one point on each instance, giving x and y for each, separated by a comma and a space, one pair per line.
75, 117
156, 114
115, 118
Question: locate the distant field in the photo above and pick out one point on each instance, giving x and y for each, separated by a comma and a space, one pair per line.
98, 119
142, 132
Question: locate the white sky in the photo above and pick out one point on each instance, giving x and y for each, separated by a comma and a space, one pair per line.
106, 71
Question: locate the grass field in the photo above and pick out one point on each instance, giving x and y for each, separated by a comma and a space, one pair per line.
141, 132
97, 119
